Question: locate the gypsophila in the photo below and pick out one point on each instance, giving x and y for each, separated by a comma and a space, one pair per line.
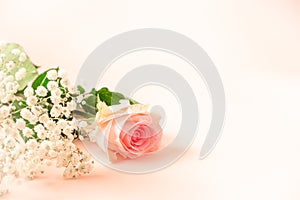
15, 51
28, 92
37, 128
20, 74
41, 91
52, 75
10, 65
52, 85
22, 57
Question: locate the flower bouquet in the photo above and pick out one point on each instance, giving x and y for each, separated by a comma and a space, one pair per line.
42, 114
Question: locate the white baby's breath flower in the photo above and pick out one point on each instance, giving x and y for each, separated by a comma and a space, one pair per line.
70, 105
18, 150
48, 163
62, 123
25, 113
70, 147
65, 82
9, 142
2, 94
62, 159
28, 92
42, 135
9, 131
7, 98
39, 128
8, 123
20, 124
71, 89
59, 144
50, 125
75, 159
10, 65
41, 91
20, 74
45, 145
4, 112
37, 110
15, 134
85, 168
66, 112
86, 157
11, 87
56, 111
3, 75
70, 137
57, 131
8, 79
52, 85
61, 73
25, 159
15, 51
22, 57
68, 130
44, 118
33, 119
56, 93
52, 75
73, 123
9, 169
70, 172
31, 101
52, 153
32, 144
53, 137
35, 162
55, 100
27, 132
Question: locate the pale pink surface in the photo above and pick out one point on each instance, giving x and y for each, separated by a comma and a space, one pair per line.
255, 45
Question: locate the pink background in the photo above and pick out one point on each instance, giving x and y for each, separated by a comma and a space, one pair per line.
255, 45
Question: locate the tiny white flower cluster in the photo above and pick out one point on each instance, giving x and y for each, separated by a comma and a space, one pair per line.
22, 55
49, 112
9, 83
8, 87
37, 128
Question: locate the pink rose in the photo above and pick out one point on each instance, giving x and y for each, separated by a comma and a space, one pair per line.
127, 131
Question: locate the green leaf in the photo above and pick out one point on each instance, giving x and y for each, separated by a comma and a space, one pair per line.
31, 69
132, 101
42, 79
80, 89
110, 98
90, 104
94, 91
78, 113
39, 80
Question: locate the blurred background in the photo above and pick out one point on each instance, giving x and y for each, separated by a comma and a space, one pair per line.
254, 44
